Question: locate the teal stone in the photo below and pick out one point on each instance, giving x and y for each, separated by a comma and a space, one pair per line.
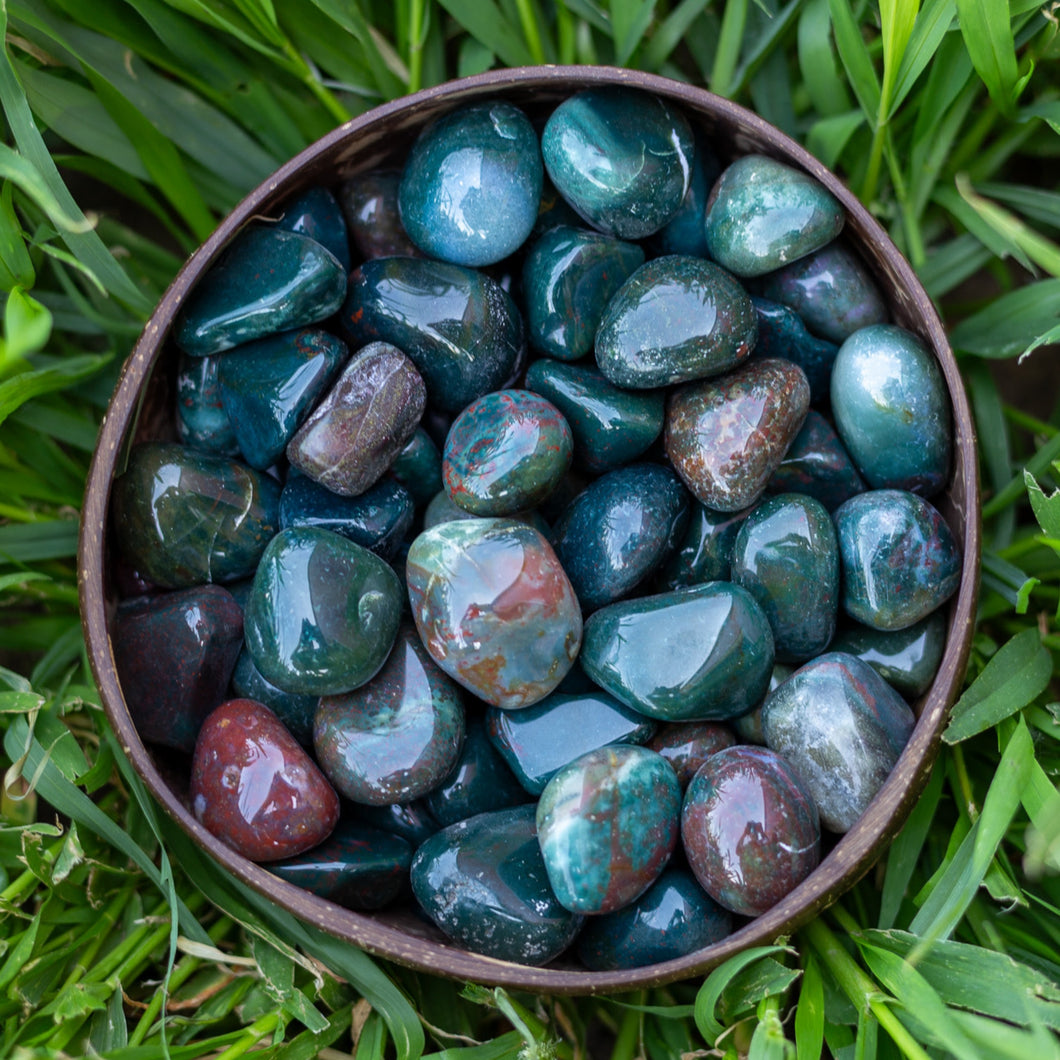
396, 737
705, 552
494, 608
442, 510
618, 531
569, 276
763, 214
787, 557
620, 157
907, 659
892, 410
268, 280
202, 422
459, 327
607, 824
748, 727
316, 213
505, 453
411, 821
295, 711
483, 883
818, 464
831, 290
611, 426
899, 558
539, 741
781, 333
675, 319
369, 203
684, 234
686, 745
322, 613
700, 654
418, 467
471, 185
552, 211
842, 728
184, 517
270, 386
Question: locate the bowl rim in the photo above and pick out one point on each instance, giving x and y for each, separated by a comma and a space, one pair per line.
853, 854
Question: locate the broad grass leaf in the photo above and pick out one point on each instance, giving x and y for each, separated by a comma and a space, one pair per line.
950, 264
828, 138
765, 47
966, 215
484, 21
34, 382
771, 92
897, 18
16, 266
987, 32
765, 978
931, 25
714, 985
38, 541
994, 449
1001, 1041
1036, 203
510, 1046
27, 327
817, 63
1048, 111
1010, 323
1046, 508
630, 20
809, 1013
17, 169
1008, 580
669, 32
855, 57
730, 41
388, 70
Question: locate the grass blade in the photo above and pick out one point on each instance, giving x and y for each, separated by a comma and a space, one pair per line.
855, 58
987, 32
928, 32
485, 22
1010, 323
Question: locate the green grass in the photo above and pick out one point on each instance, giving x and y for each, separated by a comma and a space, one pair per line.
943, 116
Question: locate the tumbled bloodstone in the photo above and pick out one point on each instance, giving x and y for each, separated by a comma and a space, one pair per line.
369, 202
538, 741
607, 824
687, 745
364, 421
673, 918
817, 464
552, 211
254, 788
356, 866
705, 552
675, 319
748, 727
787, 557
322, 614
727, 436
396, 737
494, 608
316, 213
842, 728
763, 214
295, 711
892, 410
472, 183
418, 467
184, 517
569, 277
899, 558
483, 883
268, 280
270, 386
618, 530
781, 333
175, 654
411, 821
459, 327
750, 829
907, 659
684, 233
700, 654
202, 422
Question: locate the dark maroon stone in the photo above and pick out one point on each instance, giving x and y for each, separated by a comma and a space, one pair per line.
687, 745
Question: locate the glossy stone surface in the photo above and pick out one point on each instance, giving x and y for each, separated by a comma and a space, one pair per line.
892, 410
675, 319
750, 829
726, 437
411, 821
684, 233
202, 422
552, 211
322, 613
506, 452
174, 654
369, 202
472, 183
899, 558
459, 327
356, 867
818, 464
611, 426
268, 280
704, 554
842, 728
295, 711
539, 741
607, 824
622, 158
184, 517
687, 745
781, 333
763, 214
483, 882
907, 659
363, 422
270, 386
701, 654
569, 276
254, 788
787, 557
316, 213
618, 530
494, 608
418, 467
673, 918
748, 727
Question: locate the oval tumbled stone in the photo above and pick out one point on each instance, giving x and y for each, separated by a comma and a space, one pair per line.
907, 659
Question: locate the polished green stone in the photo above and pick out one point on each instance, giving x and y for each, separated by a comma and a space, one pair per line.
817, 464
705, 552
907, 659
316, 213
782, 333
684, 233
418, 467
202, 422
295, 711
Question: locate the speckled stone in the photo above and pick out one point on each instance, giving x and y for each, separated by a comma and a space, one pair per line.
750, 829
174, 654
254, 788
184, 517
202, 422
684, 234
705, 552
675, 319
763, 214
316, 213
748, 727
781, 333
622, 158
727, 436
418, 467
369, 203
687, 745
483, 883
907, 659
607, 824
294, 711
818, 464
459, 327
842, 728
701, 654
494, 608
892, 410
268, 280
569, 276
899, 558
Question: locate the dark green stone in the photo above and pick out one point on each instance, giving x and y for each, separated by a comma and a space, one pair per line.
412, 821
684, 234
418, 467
202, 422
781, 333
295, 711
907, 659
316, 213
817, 464
705, 552
749, 726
